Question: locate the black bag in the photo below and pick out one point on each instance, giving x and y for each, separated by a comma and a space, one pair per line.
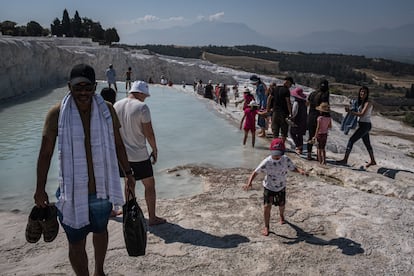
134, 227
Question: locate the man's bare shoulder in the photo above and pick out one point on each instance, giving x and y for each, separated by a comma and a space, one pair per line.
54, 110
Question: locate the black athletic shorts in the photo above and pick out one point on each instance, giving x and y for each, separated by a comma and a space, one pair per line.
142, 169
275, 198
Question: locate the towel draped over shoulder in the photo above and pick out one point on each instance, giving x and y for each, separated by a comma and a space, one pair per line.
73, 167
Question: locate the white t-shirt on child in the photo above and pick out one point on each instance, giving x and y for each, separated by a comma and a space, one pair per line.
276, 172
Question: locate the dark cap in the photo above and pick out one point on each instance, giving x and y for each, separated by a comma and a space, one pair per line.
289, 79
82, 73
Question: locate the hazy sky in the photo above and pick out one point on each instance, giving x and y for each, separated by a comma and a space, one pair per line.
269, 17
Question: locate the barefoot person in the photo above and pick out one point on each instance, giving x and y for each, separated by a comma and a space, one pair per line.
324, 123
136, 129
364, 126
111, 77
88, 166
249, 119
276, 166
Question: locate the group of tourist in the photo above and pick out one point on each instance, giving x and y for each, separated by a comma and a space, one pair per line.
110, 75
218, 93
292, 112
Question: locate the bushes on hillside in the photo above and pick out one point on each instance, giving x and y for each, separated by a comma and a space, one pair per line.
409, 118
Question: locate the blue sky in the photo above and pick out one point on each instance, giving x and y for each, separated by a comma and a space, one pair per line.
269, 17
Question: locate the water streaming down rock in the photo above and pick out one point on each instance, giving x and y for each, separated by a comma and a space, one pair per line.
187, 132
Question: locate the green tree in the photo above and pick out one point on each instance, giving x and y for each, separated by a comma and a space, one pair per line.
96, 32
45, 32
66, 29
111, 35
409, 118
76, 25
21, 31
34, 29
409, 93
8, 27
86, 27
56, 27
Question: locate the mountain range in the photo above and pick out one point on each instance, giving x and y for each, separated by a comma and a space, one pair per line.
391, 43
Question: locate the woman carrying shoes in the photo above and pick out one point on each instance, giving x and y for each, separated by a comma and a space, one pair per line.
364, 126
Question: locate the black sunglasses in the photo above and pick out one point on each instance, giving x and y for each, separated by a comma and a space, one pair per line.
80, 88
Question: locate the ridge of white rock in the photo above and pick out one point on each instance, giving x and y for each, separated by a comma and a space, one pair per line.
33, 63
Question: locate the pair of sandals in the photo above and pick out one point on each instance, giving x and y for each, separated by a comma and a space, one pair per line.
42, 221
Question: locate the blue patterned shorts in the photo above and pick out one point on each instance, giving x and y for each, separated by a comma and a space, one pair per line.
99, 212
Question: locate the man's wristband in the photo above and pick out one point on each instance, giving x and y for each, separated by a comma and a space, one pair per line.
129, 172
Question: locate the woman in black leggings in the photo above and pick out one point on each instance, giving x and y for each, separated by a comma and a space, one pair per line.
364, 126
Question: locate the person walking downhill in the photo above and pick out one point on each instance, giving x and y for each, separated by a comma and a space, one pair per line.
324, 123
111, 77
281, 107
298, 118
87, 130
136, 130
364, 126
276, 167
314, 100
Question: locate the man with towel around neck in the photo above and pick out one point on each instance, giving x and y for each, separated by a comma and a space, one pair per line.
89, 148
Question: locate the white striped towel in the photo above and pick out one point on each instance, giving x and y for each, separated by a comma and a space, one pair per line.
73, 169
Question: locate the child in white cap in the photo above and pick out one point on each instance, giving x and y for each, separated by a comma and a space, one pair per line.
276, 167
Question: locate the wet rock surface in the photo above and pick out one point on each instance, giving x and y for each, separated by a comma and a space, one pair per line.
330, 230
